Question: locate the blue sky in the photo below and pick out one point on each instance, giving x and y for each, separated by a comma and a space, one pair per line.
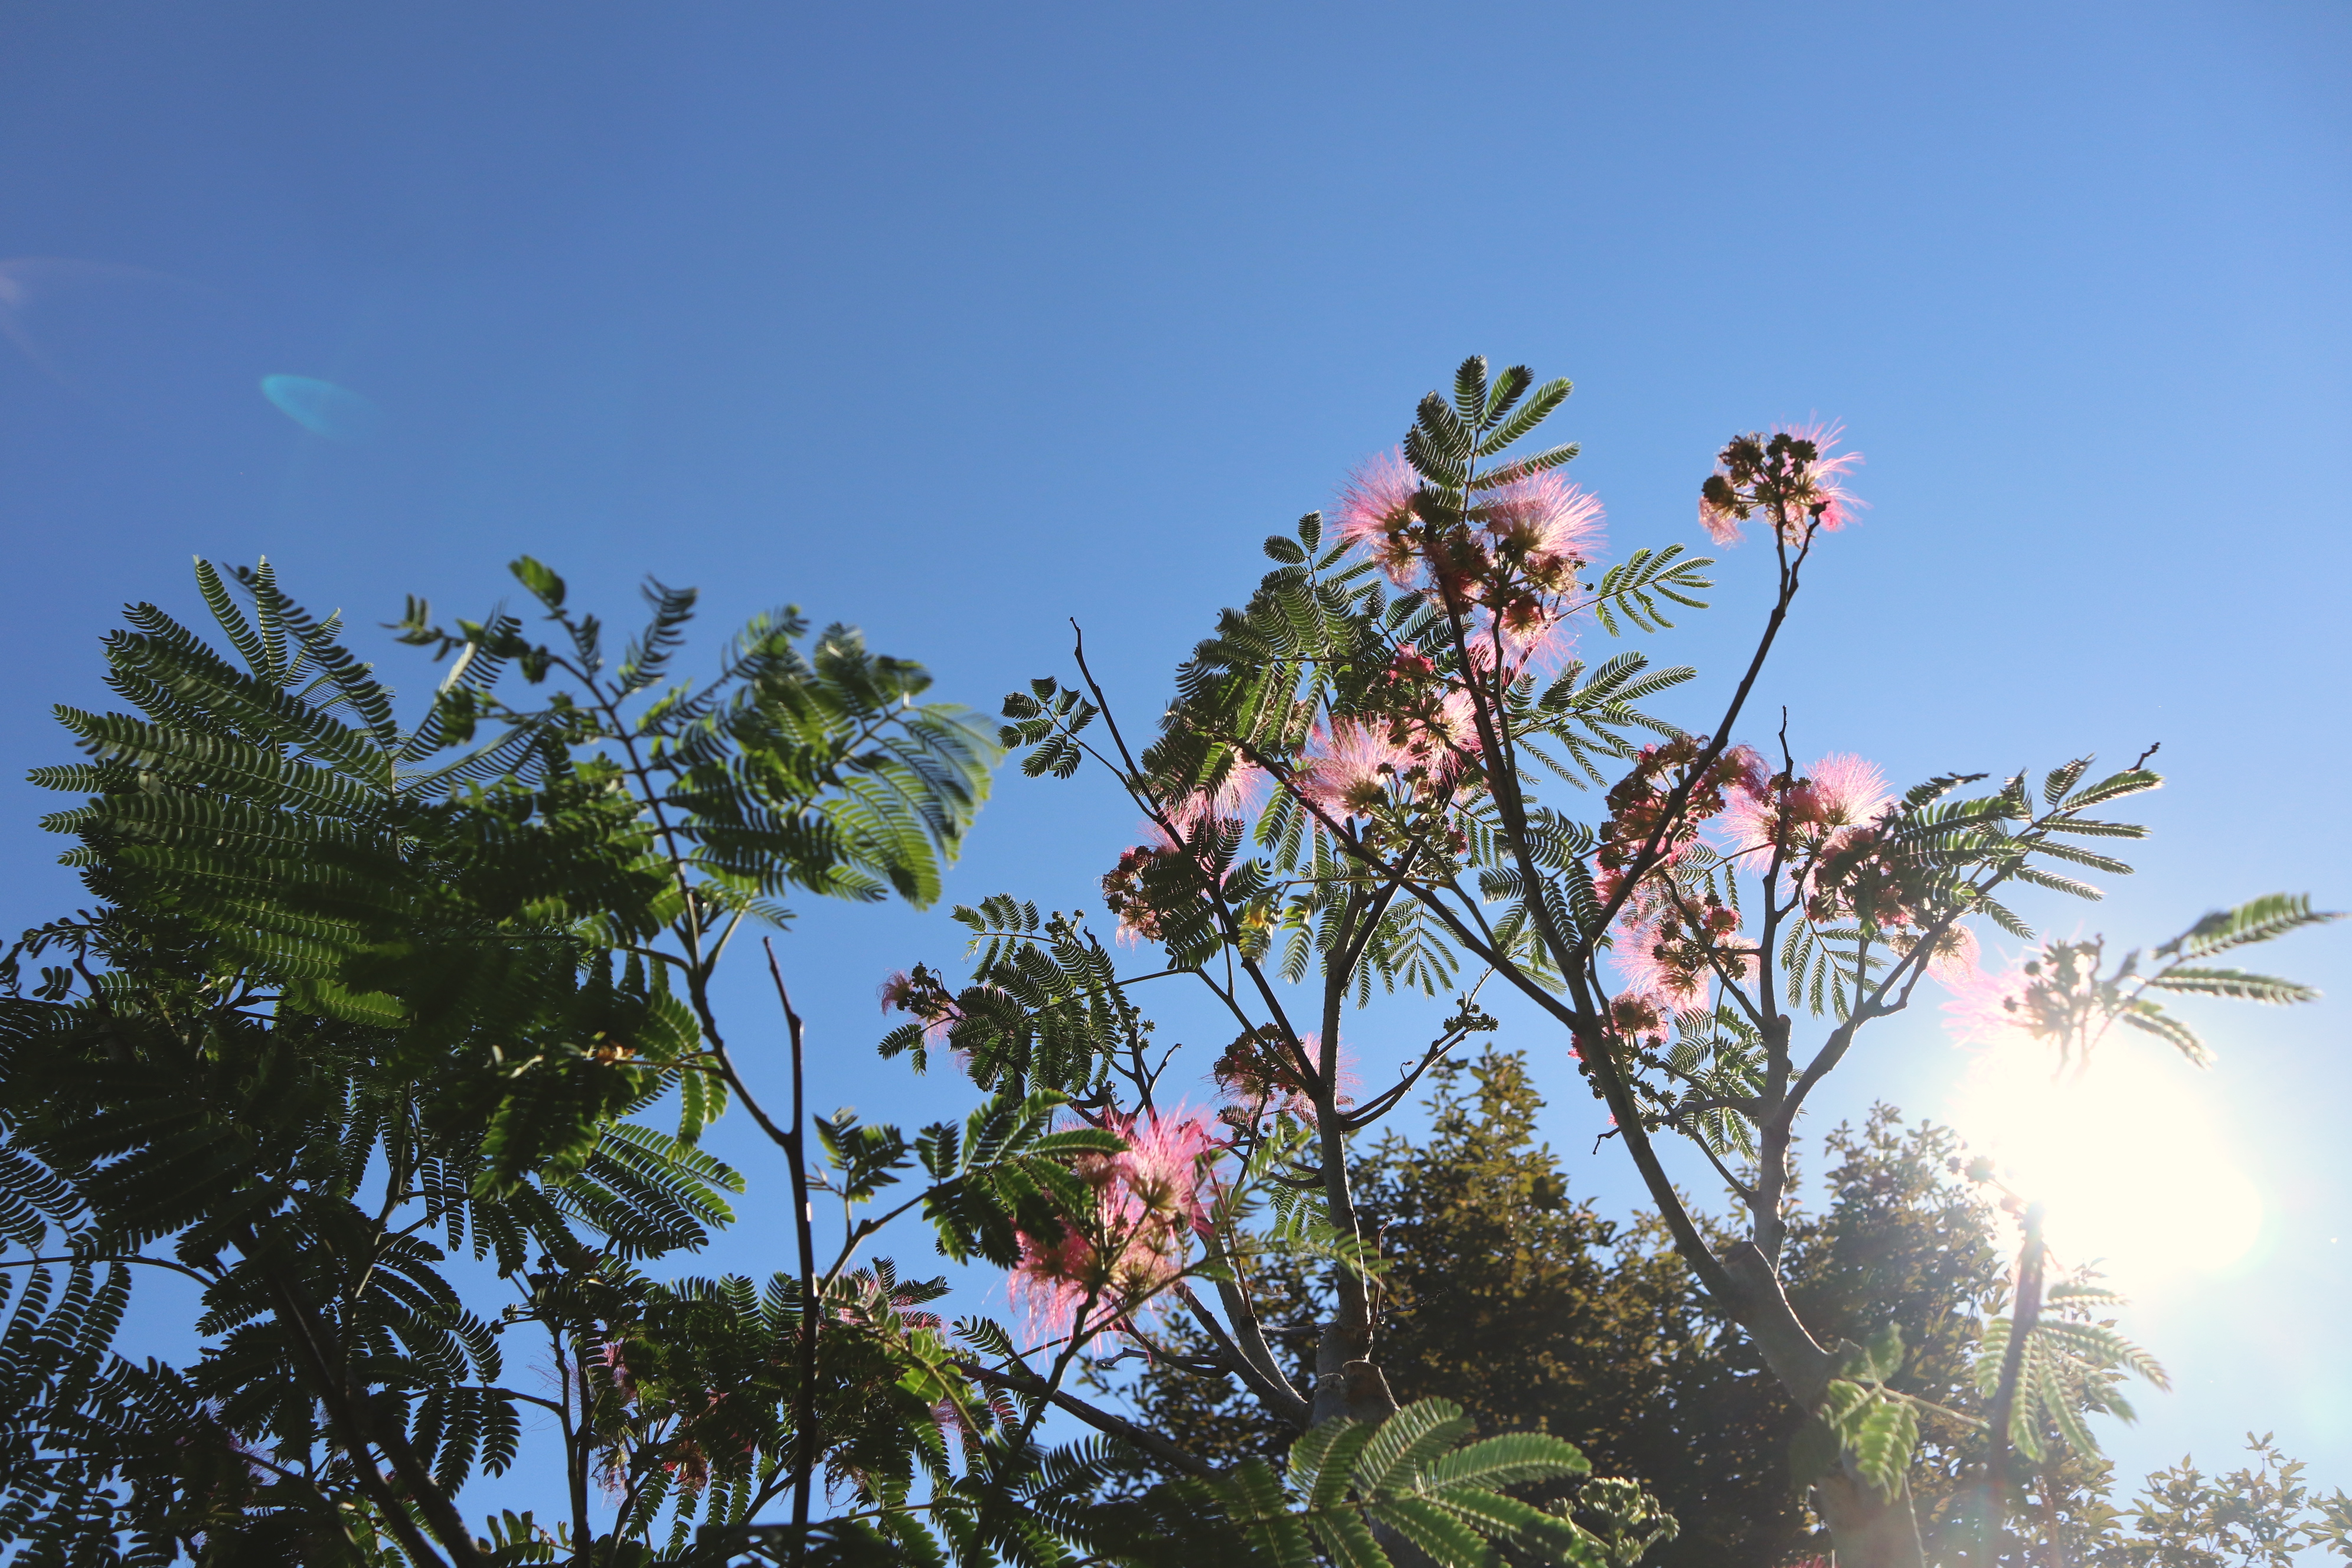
957, 321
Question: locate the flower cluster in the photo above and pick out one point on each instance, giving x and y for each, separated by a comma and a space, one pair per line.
919, 992
1196, 827
1513, 555
1127, 895
1353, 767
1859, 877
1790, 476
2058, 995
1638, 803
1231, 800
1666, 952
1148, 1208
1257, 1077
1829, 804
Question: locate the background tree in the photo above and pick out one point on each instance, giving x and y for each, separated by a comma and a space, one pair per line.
1538, 1314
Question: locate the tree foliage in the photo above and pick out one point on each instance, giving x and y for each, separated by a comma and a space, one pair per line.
373, 1002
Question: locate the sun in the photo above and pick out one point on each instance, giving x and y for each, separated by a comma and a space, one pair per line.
2125, 1153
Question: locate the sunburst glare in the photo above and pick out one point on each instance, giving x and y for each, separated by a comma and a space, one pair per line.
2127, 1154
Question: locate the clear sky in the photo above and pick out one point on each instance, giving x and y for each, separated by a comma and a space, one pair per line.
957, 322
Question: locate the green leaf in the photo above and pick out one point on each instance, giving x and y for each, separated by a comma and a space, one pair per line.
1509, 1459
1410, 1438
543, 584
2232, 982
1349, 1539
2258, 920
1322, 1462
1882, 1441
1448, 1542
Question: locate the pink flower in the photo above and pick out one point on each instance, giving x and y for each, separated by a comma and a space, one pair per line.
1634, 953
1457, 721
1955, 961
1126, 893
1840, 792
1847, 791
1437, 735
1258, 1076
1376, 508
1551, 526
1986, 1008
1826, 475
1532, 631
1722, 523
1237, 796
1751, 475
1353, 770
1147, 1208
1345, 1081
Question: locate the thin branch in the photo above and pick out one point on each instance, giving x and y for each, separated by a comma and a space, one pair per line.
1101, 1420
804, 1396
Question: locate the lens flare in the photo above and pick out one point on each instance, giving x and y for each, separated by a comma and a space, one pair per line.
323, 408
125, 339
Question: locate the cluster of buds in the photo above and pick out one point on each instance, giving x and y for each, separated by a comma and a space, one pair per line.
920, 992
1683, 940
1638, 802
1410, 668
1127, 891
1859, 879
1637, 1017
2061, 994
1259, 1077
1789, 476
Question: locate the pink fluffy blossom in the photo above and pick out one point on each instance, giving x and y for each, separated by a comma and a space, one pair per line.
1352, 769
1149, 1207
1955, 961
1532, 632
1633, 952
1438, 737
1376, 506
1743, 484
1550, 524
1986, 1008
1826, 474
1840, 792
1345, 1081
1848, 791
1237, 796
1722, 524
